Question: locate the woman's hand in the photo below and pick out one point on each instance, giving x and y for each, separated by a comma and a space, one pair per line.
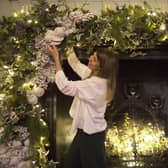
54, 52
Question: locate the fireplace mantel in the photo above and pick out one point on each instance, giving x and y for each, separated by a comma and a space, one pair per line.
158, 53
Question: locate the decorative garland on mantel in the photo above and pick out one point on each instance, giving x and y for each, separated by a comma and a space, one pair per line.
122, 32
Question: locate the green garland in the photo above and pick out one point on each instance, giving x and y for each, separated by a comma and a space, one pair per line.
125, 29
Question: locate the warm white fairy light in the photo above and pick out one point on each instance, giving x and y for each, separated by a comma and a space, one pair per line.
25, 9
22, 11
43, 122
13, 38
154, 14
17, 41
11, 87
19, 58
11, 72
33, 162
43, 110
147, 137
165, 37
34, 63
115, 42
162, 27
29, 21
47, 9
27, 13
15, 14
2, 95
5, 67
42, 138
47, 144
132, 164
26, 86
150, 124
37, 105
36, 22
149, 13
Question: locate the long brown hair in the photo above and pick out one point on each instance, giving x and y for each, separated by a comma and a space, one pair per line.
108, 69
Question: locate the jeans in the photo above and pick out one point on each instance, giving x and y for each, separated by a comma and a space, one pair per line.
86, 151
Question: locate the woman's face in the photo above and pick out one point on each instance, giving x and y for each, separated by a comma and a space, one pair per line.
93, 63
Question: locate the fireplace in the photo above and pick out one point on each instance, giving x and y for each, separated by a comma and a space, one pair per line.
137, 118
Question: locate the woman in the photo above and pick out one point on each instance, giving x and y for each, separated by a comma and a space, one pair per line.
92, 94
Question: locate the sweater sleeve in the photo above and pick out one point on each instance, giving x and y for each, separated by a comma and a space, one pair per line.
82, 89
81, 69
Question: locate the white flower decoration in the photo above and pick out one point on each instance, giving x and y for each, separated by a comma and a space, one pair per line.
38, 91
46, 66
32, 99
56, 36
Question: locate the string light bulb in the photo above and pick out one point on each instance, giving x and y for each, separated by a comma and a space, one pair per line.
154, 14
162, 27
46, 9
27, 13
37, 106
2, 95
11, 72
36, 22
5, 67
42, 138
22, 11
17, 41
33, 162
143, 7
115, 42
43, 122
29, 21
149, 13
34, 63
15, 14
19, 58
